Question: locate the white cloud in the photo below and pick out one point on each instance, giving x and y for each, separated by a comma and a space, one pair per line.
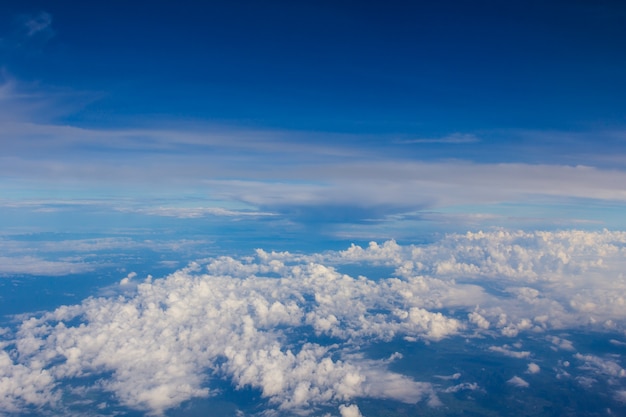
32, 265
510, 353
561, 343
465, 386
533, 368
300, 175
196, 212
247, 320
191, 321
452, 377
35, 257
602, 366
518, 382
350, 411
22, 385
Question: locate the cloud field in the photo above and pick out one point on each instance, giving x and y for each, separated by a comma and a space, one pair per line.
296, 329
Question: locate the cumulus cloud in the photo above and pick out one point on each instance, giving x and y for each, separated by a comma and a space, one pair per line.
24, 386
164, 343
533, 368
350, 411
257, 321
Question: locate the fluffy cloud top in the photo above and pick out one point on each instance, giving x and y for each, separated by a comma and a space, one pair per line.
533, 368
257, 321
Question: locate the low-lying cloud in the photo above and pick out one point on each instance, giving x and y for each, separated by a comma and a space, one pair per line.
258, 322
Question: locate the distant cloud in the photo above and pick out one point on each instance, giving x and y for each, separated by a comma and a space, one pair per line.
453, 139
30, 265
197, 212
31, 32
41, 257
600, 365
533, 368
508, 352
302, 177
38, 24
518, 382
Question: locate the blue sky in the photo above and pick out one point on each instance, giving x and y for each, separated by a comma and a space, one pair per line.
340, 118
329, 208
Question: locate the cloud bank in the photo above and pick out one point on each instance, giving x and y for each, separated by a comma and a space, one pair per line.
295, 329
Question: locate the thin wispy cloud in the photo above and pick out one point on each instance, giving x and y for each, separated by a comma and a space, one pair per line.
453, 139
37, 24
30, 33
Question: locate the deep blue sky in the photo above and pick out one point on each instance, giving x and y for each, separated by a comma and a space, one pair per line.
343, 66
322, 112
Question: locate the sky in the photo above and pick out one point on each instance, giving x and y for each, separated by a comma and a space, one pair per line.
320, 115
204, 187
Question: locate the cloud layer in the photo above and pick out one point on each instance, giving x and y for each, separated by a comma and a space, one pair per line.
295, 328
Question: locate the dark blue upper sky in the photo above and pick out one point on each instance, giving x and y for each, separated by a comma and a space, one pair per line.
403, 67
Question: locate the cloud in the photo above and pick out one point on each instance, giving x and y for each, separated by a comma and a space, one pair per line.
510, 353
193, 321
465, 386
258, 322
74, 256
38, 24
350, 411
455, 138
23, 386
516, 381
561, 343
533, 368
32, 265
197, 212
602, 366
30, 32
300, 175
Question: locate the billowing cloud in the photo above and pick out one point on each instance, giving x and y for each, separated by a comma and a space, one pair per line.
296, 329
